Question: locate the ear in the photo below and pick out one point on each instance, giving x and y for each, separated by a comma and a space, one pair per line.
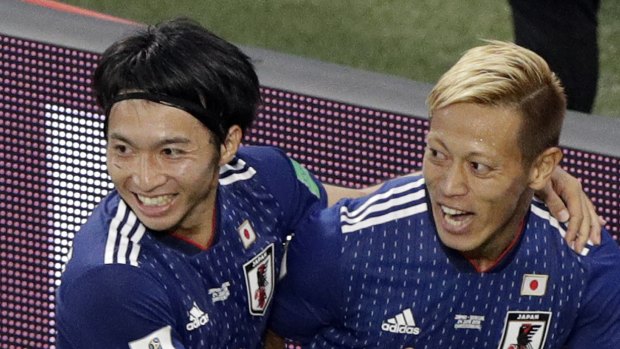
543, 166
230, 145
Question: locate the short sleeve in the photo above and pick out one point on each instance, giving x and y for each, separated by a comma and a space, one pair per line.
112, 306
598, 321
295, 188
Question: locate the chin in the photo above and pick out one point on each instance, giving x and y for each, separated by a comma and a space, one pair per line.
458, 243
156, 225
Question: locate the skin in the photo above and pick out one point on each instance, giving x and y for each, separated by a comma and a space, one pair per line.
164, 164
479, 187
563, 195
472, 163
155, 165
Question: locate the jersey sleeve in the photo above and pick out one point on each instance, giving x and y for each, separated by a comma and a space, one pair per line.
295, 188
598, 321
114, 306
309, 296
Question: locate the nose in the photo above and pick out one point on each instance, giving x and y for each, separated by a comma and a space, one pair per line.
454, 181
148, 173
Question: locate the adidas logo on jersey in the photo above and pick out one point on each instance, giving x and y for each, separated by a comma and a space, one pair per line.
197, 318
402, 323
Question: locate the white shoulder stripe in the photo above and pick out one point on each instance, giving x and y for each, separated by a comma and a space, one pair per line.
119, 242
388, 193
135, 251
345, 215
123, 242
390, 216
112, 233
249, 173
554, 223
239, 165
228, 175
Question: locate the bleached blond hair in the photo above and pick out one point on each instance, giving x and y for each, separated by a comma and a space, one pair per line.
502, 74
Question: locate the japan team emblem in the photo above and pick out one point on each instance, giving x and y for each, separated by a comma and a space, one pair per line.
525, 330
259, 280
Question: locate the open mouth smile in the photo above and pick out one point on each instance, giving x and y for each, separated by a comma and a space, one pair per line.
454, 217
160, 200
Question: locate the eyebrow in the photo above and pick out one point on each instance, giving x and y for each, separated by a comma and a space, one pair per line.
163, 142
474, 153
435, 139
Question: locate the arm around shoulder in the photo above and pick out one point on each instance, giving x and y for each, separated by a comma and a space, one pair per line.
308, 296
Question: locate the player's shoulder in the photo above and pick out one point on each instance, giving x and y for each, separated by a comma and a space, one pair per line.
265, 164
257, 158
112, 234
105, 296
257, 154
399, 199
542, 223
272, 169
107, 278
92, 235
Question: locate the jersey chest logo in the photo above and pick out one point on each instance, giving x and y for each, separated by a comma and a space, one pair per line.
259, 280
197, 318
402, 323
525, 330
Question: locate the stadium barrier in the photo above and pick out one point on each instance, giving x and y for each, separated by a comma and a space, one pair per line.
349, 127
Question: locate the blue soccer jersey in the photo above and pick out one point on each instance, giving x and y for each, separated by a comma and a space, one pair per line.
128, 287
372, 273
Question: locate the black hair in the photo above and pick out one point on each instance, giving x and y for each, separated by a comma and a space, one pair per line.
181, 60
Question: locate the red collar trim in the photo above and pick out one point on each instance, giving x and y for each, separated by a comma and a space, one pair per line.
194, 243
503, 254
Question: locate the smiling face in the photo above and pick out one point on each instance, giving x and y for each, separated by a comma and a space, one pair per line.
478, 186
164, 164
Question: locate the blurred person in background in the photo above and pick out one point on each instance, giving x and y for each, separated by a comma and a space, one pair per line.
565, 34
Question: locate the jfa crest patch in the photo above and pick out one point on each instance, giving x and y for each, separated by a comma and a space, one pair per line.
525, 330
259, 280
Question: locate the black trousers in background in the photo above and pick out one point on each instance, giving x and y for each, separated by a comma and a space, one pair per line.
564, 33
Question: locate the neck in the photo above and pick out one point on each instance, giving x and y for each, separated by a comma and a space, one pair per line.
489, 254
486, 263
201, 231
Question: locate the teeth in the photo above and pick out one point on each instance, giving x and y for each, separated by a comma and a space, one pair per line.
155, 201
451, 211
449, 214
453, 222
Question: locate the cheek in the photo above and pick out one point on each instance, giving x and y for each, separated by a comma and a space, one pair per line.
194, 172
499, 199
430, 174
115, 169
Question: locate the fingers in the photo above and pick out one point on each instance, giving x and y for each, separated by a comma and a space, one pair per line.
582, 231
555, 204
582, 218
587, 228
578, 224
596, 224
556, 194
567, 202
